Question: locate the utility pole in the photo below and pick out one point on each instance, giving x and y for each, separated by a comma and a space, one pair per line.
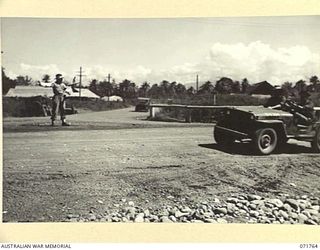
197, 83
109, 77
80, 80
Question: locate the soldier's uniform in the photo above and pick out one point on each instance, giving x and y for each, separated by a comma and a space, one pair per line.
58, 100
276, 100
308, 105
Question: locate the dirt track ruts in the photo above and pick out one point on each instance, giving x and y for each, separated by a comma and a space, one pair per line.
52, 172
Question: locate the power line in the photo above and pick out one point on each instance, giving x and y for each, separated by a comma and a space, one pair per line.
80, 79
197, 83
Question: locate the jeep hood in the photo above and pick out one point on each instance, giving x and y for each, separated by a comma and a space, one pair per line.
262, 111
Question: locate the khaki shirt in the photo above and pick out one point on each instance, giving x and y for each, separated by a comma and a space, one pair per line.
59, 89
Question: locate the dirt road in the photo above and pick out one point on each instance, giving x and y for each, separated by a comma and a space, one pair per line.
106, 157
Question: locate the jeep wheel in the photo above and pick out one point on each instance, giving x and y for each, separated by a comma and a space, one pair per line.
315, 144
221, 137
265, 141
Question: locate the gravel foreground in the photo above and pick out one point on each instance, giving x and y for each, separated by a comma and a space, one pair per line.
235, 209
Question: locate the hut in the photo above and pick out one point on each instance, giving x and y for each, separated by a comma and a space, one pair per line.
261, 89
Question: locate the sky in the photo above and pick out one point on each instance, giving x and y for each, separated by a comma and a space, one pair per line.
276, 49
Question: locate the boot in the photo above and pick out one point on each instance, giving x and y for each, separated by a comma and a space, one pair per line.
64, 123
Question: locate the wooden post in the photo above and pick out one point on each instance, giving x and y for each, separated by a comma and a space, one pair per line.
151, 108
188, 115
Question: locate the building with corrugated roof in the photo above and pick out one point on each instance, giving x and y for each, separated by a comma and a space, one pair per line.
30, 91
261, 88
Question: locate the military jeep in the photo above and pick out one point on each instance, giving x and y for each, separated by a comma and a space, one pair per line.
267, 129
142, 104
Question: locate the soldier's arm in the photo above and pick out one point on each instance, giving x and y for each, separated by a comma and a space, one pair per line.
309, 105
275, 106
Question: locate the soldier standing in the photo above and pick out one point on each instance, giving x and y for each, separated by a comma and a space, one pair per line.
58, 100
307, 104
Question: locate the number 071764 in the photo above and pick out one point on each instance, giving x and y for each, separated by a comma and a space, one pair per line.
306, 246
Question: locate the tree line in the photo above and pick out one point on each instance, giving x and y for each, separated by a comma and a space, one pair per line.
165, 89
128, 89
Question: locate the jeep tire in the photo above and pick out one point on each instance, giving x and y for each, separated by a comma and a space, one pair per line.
315, 144
265, 141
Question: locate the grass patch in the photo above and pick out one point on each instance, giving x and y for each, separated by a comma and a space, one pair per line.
203, 115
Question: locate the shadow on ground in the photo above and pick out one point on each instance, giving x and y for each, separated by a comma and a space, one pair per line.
85, 125
246, 148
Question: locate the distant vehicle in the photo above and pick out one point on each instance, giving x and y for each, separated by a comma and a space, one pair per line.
266, 128
142, 104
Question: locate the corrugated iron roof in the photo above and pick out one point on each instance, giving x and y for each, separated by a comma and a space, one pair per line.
30, 91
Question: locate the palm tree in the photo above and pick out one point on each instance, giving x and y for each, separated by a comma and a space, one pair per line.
107, 88
191, 91
154, 91
7, 83
206, 88
164, 88
300, 86
127, 89
172, 89
224, 85
180, 89
143, 90
46, 78
315, 83
244, 85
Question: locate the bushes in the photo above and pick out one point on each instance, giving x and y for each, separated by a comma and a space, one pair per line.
33, 106
219, 99
24, 106
172, 114
93, 104
240, 100
204, 115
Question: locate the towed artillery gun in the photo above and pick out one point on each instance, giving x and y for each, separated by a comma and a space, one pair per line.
267, 129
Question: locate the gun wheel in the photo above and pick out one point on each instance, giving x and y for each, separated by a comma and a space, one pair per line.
315, 144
